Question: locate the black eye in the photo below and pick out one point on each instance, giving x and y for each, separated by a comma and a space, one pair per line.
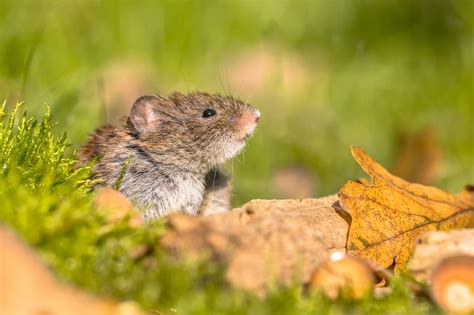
208, 113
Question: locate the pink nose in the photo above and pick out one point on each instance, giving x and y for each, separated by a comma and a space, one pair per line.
246, 124
249, 119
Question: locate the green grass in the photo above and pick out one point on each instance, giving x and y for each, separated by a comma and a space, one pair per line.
48, 202
373, 70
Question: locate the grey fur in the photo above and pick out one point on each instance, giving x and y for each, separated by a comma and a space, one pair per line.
174, 152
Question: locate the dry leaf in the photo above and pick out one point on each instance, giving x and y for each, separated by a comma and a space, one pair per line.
294, 182
251, 71
116, 207
28, 287
264, 241
122, 81
419, 159
432, 247
467, 194
389, 215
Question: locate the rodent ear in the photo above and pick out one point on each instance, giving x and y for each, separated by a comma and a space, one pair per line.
143, 115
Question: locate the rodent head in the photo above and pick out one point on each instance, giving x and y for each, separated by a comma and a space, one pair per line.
194, 130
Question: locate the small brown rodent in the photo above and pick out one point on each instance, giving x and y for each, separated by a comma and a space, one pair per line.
174, 146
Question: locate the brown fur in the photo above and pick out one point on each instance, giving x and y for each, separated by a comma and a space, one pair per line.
174, 151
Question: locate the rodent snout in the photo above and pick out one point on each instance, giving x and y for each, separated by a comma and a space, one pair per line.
246, 124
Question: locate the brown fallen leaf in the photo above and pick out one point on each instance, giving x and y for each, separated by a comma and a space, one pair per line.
122, 81
389, 215
294, 182
28, 287
468, 193
264, 241
253, 70
432, 247
419, 158
116, 207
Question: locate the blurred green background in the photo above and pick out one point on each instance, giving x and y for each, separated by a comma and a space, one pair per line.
394, 77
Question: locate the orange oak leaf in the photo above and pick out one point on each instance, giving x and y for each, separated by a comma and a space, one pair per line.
388, 215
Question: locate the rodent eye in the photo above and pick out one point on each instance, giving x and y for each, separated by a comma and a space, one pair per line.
209, 112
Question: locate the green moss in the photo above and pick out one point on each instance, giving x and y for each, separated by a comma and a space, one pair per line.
374, 69
48, 202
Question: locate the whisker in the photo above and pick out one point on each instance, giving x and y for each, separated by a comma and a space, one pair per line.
103, 105
220, 82
214, 180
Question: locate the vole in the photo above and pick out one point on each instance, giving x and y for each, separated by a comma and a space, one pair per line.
174, 146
